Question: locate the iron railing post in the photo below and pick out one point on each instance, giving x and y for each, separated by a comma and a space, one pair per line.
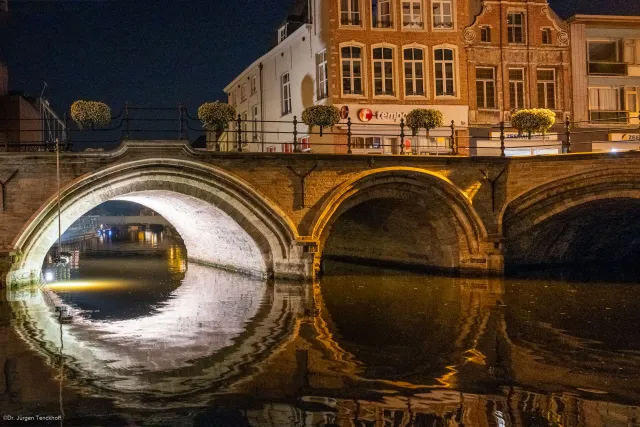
402, 135
349, 136
239, 130
502, 138
452, 142
295, 135
567, 124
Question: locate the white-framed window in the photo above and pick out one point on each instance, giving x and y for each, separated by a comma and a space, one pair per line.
381, 14
485, 34
515, 27
516, 88
414, 71
412, 15
285, 86
486, 87
606, 105
243, 92
546, 88
271, 149
350, 13
304, 144
254, 85
254, 116
234, 98
383, 82
282, 33
546, 36
245, 125
351, 60
445, 71
322, 77
287, 148
442, 14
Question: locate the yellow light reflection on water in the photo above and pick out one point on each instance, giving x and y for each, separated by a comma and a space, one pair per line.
90, 285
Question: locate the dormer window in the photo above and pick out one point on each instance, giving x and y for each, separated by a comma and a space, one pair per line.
282, 33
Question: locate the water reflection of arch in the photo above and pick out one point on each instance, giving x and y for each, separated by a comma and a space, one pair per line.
237, 322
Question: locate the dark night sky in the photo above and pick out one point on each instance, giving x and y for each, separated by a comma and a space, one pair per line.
157, 52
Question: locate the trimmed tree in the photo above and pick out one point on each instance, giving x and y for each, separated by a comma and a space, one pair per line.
90, 113
536, 120
422, 118
321, 115
216, 115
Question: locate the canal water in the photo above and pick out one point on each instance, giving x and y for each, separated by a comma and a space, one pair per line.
129, 333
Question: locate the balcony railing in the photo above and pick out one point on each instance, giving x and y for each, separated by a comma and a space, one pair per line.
382, 23
608, 68
609, 117
443, 25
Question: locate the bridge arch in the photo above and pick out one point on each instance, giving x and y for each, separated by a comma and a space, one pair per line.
584, 217
454, 237
222, 221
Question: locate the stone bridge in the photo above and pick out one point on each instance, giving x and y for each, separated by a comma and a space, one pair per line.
280, 215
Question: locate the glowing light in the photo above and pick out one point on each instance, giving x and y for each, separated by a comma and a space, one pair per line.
614, 150
48, 276
90, 285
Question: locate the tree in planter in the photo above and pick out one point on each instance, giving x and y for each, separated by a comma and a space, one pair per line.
216, 116
536, 120
422, 118
321, 115
90, 113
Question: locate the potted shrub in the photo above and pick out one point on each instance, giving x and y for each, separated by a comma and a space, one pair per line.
216, 115
90, 113
536, 120
321, 115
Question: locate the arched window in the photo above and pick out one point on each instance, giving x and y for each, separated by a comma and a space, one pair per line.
445, 71
351, 60
414, 71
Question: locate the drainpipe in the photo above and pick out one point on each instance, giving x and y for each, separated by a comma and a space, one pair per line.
261, 107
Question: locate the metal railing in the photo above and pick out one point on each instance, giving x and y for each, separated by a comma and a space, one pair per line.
608, 68
346, 137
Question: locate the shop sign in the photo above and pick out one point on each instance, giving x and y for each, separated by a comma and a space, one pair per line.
624, 137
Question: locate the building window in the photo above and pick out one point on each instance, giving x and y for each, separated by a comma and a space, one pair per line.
255, 122
350, 12
254, 86
515, 27
412, 15
414, 76
445, 72
243, 92
606, 105
485, 34
234, 98
442, 14
546, 36
304, 144
245, 120
605, 58
367, 143
322, 77
381, 14
282, 33
516, 88
383, 71
271, 149
486, 87
351, 70
547, 88
286, 94
287, 148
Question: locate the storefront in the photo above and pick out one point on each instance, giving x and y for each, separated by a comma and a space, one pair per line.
618, 142
516, 145
376, 129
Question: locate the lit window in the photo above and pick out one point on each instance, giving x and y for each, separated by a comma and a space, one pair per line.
321, 75
383, 71
414, 76
442, 14
485, 34
445, 72
606, 105
515, 27
546, 36
485, 87
516, 88
304, 144
271, 149
351, 59
547, 88
381, 14
287, 148
412, 15
286, 94
350, 12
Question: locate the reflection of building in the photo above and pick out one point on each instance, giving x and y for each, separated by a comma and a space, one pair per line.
606, 79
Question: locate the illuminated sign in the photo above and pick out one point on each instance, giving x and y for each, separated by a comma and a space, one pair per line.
365, 115
624, 137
